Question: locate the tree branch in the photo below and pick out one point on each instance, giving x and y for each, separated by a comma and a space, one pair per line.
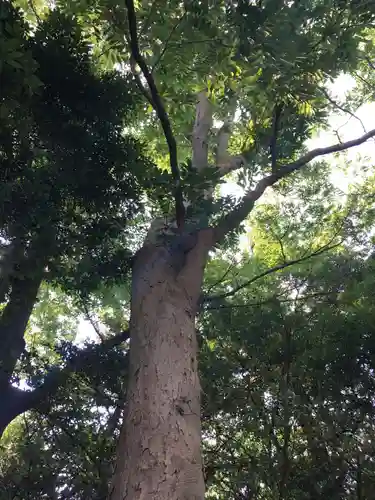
223, 136
91, 320
15, 402
342, 108
232, 220
269, 271
225, 162
166, 44
272, 299
160, 111
139, 83
275, 130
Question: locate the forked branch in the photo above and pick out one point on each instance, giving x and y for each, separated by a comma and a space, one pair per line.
160, 111
234, 219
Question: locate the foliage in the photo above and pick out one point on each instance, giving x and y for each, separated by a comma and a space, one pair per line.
287, 391
70, 177
285, 327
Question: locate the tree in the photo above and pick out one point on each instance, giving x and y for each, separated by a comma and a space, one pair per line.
159, 452
70, 179
248, 52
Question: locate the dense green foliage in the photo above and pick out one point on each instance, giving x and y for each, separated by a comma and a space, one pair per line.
286, 327
287, 381
69, 177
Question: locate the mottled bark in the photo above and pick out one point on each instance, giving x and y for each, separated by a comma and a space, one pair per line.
159, 454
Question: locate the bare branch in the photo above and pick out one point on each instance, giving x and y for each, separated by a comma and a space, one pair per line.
234, 219
223, 136
160, 111
275, 130
342, 108
225, 162
269, 271
272, 299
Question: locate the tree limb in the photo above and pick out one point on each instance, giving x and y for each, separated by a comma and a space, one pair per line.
275, 130
232, 220
272, 299
139, 83
160, 111
223, 136
225, 162
15, 402
269, 271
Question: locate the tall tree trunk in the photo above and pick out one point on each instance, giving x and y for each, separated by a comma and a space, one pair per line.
159, 455
13, 322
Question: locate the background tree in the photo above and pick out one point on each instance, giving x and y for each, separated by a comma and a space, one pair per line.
70, 178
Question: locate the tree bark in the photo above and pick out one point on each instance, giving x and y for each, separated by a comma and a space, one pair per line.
24, 279
159, 454
13, 322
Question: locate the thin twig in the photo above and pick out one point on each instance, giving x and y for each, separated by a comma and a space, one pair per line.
363, 80
167, 42
32, 7
269, 271
270, 300
370, 63
220, 280
93, 323
342, 108
147, 22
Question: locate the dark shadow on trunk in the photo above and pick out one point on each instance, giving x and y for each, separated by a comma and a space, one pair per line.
14, 319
